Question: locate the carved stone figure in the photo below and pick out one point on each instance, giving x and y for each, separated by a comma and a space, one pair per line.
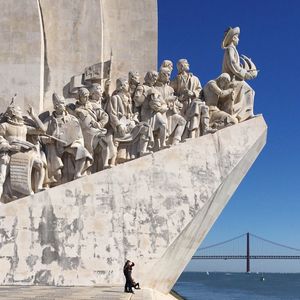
134, 85
142, 96
243, 95
134, 82
67, 157
167, 64
188, 87
175, 122
131, 137
20, 160
93, 119
215, 93
158, 121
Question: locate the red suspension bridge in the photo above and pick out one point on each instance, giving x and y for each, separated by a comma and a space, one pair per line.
209, 252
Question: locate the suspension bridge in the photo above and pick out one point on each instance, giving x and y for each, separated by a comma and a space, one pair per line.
240, 247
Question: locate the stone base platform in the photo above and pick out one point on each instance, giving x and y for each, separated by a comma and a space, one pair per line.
79, 293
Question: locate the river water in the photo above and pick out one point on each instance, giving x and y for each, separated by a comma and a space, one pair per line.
236, 286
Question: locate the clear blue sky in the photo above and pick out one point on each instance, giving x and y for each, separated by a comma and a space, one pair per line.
267, 203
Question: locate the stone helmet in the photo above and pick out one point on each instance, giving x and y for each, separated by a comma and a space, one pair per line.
58, 100
13, 111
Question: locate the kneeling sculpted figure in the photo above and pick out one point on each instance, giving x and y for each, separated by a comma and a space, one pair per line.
19, 159
67, 157
130, 136
215, 92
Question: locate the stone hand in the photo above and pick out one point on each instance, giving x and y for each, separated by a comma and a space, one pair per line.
189, 93
228, 92
121, 130
249, 75
30, 111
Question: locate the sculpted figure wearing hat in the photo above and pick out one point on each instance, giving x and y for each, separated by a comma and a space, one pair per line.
240, 102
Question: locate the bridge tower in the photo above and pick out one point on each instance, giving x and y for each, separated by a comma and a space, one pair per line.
248, 254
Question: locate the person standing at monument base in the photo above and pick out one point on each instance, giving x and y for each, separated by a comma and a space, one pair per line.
130, 283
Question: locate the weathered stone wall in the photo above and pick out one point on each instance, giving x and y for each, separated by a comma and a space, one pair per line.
46, 42
21, 53
154, 210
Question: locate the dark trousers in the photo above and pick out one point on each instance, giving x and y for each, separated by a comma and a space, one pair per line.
128, 285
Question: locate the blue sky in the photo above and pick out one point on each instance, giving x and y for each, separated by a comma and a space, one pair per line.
267, 203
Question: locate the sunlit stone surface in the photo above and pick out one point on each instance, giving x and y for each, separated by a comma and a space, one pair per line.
154, 210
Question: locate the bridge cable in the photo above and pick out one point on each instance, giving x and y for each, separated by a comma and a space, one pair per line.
221, 243
274, 243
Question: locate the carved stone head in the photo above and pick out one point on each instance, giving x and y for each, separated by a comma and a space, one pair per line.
167, 64
122, 85
150, 78
14, 113
96, 92
83, 95
223, 80
183, 65
58, 103
231, 35
133, 78
164, 75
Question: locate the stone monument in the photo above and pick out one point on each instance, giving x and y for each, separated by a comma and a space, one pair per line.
105, 173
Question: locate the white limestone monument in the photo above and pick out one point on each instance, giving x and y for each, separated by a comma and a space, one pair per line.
104, 158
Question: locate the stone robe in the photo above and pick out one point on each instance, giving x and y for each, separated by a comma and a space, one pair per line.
120, 114
192, 107
243, 96
65, 127
16, 133
93, 119
174, 119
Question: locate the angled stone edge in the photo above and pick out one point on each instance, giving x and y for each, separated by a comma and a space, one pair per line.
183, 248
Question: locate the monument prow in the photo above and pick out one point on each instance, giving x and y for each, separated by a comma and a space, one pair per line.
155, 210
